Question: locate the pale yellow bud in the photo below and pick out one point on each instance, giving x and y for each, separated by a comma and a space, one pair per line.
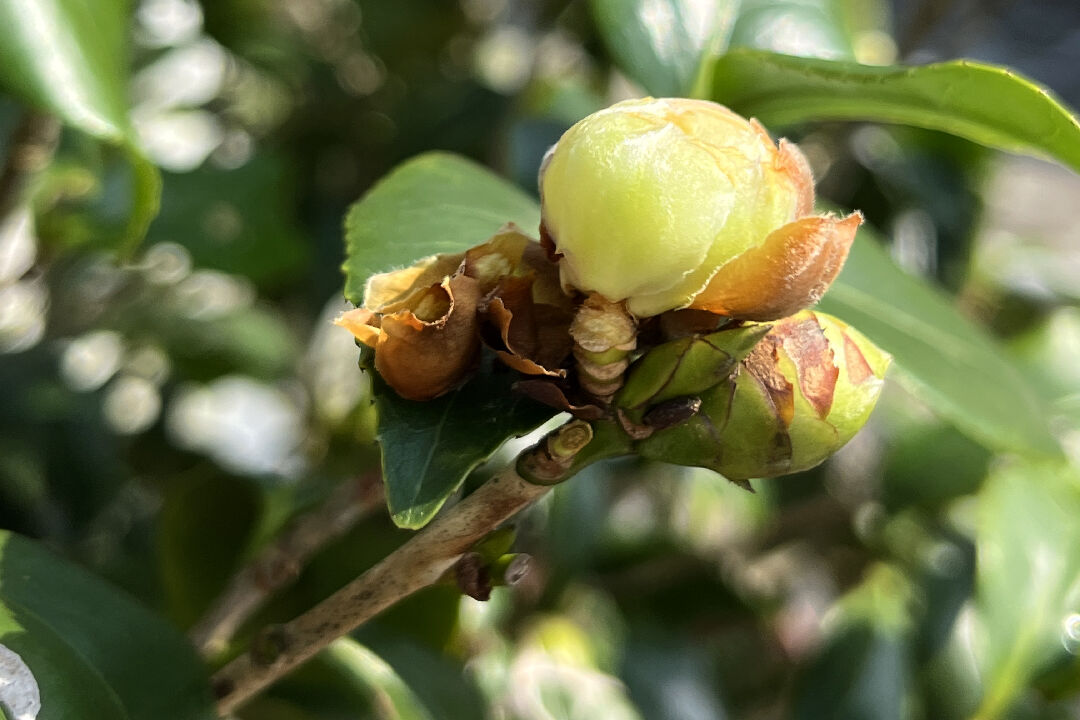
674, 203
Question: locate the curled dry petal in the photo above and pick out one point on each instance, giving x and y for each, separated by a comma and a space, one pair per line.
388, 291
553, 394
510, 253
533, 337
424, 321
425, 348
524, 305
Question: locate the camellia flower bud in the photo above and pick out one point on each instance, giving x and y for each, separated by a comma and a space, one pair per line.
675, 203
796, 398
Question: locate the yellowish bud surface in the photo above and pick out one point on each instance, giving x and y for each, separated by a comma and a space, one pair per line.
648, 200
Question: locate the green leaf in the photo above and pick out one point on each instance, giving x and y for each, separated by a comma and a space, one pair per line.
947, 361
390, 692
983, 103
345, 680
661, 43
69, 57
1027, 578
60, 618
429, 447
69, 685
433, 203
808, 28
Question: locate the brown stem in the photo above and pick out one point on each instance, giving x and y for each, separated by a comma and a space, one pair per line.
279, 564
415, 565
32, 144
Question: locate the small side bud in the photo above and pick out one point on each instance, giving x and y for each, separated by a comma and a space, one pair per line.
797, 397
550, 461
604, 333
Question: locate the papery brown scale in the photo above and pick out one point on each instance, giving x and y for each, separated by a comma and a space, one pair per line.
549, 393
858, 369
789, 271
805, 343
546, 289
423, 359
763, 364
547, 244
791, 161
534, 337
362, 323
391, 291
499, 257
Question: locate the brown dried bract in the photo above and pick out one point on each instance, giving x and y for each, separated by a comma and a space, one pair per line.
425, 344
424, 321
859, 370
550, 393
763, 363
533, 337
805, 343
791, 270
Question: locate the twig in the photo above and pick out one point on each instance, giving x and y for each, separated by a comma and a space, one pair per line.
415, 565
31, 146
279, 564
420, 562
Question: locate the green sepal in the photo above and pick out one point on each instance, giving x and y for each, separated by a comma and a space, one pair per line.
687, 366
736, 434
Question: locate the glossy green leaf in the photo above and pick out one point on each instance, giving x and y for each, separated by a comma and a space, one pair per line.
1027, 577
389, 690
808, 28
661, 43
345, 680
946, 360
69, 686
983, 103
63, 617
429, 447
69, 58
434, 203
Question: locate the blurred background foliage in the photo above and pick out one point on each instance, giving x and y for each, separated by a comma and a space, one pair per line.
163, 415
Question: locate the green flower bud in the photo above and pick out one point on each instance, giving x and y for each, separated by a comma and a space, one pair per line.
804, 390
675, 203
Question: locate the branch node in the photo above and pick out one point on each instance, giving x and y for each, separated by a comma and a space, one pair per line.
549, 463
269, 644
473, 577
